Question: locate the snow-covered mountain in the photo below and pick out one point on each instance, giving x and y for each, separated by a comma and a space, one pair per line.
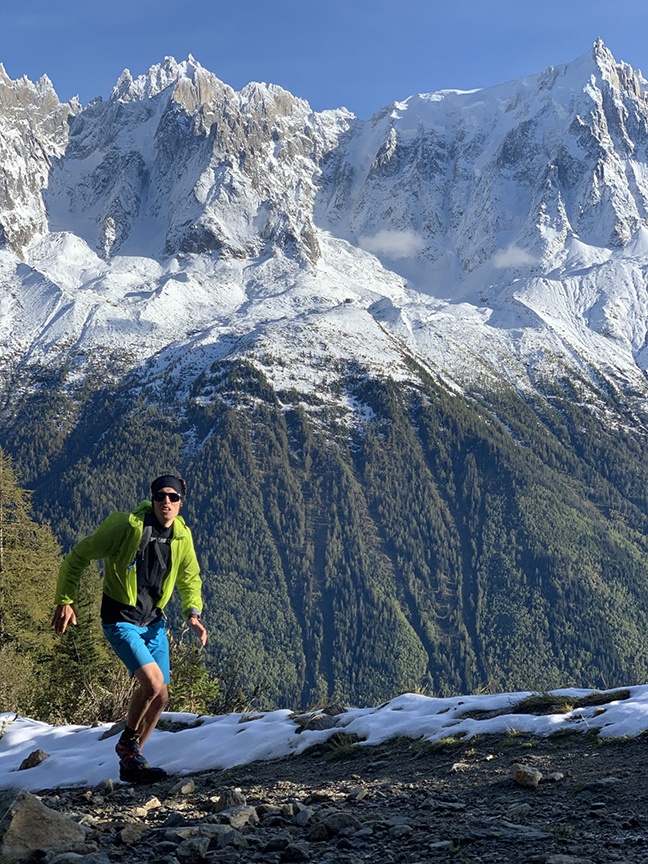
498, 232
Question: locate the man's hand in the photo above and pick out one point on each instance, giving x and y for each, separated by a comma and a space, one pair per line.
63, 615
197, 629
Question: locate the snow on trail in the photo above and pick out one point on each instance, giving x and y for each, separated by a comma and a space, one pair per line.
79, 758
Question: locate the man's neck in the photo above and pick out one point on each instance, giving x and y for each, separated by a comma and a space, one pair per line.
159, 526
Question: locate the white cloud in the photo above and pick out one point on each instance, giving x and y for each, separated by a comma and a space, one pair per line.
513, 256
393, 244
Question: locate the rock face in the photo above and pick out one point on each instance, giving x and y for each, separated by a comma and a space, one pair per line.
504, 175
208, 169
33, 134
29, 826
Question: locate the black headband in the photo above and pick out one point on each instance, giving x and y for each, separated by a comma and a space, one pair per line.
166, 480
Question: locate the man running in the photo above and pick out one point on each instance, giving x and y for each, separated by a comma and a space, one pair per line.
145, 553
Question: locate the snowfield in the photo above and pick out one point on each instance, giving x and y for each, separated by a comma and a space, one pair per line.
78, 756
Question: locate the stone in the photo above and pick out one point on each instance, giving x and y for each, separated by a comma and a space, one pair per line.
601, 783
228, 799
525, 775
115, 729
345, 843
213, 830
317, 833
237, 840
28, 826
398, 820
78, 858
104, 787
321, 796
264, 810
398, 831
164, 847
183, 787
338, 821
183, 833
567, 859
277, 843
66, 858
131, 834
334, 709
315, 722
359, 793
239, 816
295, 852
173, 820
304, 816
273, 821
223, 856
35, 758
518, 811
446, 805
193, 849
223, 835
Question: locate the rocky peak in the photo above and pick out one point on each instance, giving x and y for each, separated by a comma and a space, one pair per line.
561, 147
158, 78
33, 132
620, 75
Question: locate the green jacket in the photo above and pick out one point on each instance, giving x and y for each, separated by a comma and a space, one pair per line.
117, 541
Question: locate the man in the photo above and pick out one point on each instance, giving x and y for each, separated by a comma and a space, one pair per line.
145, 553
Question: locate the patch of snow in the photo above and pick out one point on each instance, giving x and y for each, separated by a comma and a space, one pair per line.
77, 756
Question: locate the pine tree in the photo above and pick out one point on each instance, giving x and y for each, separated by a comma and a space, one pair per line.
29, 561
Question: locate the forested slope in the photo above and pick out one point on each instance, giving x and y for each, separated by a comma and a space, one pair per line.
450, 542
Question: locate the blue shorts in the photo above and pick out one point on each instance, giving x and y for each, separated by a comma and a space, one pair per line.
136, 646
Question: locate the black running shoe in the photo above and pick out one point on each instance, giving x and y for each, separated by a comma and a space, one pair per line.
141, 775
133, 767
130, 755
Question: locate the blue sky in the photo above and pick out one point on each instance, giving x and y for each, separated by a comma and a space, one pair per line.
357, 53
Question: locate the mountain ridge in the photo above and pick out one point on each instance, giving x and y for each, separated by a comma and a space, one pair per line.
154, 196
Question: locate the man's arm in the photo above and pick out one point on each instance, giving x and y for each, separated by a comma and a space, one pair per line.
190, 585
91, 548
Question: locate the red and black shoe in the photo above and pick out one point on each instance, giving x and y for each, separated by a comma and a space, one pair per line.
133, 767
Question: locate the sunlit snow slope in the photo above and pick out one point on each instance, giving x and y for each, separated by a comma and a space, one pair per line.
493, 233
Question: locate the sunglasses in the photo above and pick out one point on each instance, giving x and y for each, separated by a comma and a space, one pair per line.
172, 496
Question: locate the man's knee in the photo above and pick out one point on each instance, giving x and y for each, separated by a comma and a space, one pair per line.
151, 680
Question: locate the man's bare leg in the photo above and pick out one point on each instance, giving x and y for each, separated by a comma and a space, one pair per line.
148, 701
152, 715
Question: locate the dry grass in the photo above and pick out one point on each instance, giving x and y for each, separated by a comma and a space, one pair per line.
551, 703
